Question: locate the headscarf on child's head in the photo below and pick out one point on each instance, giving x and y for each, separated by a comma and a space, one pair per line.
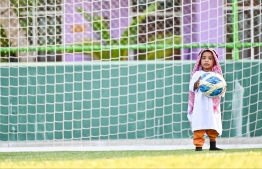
197, 67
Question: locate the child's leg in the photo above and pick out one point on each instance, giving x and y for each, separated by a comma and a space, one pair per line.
212, 134
199, 139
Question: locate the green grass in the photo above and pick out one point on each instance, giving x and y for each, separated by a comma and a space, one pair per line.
232, 158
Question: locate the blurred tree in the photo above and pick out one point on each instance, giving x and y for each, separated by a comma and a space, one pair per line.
15, 35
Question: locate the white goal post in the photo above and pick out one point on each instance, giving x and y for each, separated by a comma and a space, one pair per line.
114, 75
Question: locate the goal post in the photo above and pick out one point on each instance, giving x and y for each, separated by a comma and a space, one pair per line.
114, 75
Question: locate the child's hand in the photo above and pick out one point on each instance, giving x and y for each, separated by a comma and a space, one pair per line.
197, 83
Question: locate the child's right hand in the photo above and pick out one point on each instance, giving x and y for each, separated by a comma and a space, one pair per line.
197, 83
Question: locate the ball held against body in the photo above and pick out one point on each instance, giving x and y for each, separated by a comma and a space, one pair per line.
212, 84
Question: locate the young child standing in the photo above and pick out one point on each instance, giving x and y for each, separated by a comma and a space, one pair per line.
203, 112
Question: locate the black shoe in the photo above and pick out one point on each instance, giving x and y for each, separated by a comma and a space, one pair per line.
198, 148
213, 146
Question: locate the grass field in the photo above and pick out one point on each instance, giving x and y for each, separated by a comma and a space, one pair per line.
235, 158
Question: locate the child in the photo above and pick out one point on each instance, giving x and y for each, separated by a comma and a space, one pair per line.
203, 112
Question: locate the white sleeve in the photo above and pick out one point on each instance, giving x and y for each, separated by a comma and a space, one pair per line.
192, 81
189, 117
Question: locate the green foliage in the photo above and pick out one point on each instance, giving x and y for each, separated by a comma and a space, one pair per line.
128, 37
165, 48
4, 42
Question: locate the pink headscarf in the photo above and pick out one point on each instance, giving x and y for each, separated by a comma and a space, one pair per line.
216, 68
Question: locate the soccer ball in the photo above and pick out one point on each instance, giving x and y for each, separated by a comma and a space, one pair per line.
212, 84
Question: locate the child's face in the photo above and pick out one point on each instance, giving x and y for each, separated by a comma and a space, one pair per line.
207, 61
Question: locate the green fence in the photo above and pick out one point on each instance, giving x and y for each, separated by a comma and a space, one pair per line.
125, 100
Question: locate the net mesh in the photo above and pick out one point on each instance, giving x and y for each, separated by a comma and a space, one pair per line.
114, 70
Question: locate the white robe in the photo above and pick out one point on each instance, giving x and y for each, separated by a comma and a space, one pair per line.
203, 116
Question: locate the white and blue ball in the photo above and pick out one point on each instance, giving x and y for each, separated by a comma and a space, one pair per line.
212, 84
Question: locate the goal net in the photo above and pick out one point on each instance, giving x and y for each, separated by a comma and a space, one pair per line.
114, 74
